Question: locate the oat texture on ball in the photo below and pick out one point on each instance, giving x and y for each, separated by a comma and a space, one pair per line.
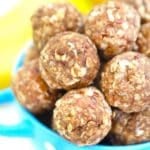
130, 128
113, 27
31, 91
82, 116
142, 7
69, 60
125, 81
54, 18
143, 41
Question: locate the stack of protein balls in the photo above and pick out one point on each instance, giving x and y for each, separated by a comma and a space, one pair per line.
93, 72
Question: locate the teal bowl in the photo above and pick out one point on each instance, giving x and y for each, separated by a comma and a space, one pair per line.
42, 137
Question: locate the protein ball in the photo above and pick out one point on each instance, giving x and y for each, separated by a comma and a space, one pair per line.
113, 27
69, 60
54, 18
31, 54
125, 82
31, 91
82, 116
143, 8
143, 41
130, 128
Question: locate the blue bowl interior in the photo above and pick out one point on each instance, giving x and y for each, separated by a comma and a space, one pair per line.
44, 138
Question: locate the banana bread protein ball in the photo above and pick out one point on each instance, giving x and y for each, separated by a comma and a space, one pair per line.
130, 128
142, 7
125, 82
113, 27
69, 60
31, 91
143, 41
54, 18
82, 116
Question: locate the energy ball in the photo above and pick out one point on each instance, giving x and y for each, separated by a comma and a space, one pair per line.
31, 91
125, 82
143, 41
130, 128
54, 18
82, 116
69, 60
113, 27
142, 6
